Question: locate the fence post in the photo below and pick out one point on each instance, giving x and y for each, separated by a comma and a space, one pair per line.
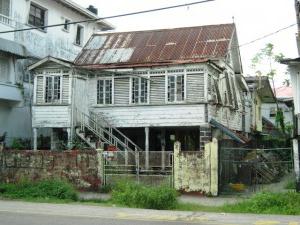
176, 170
100, 167
214, 170
137, 165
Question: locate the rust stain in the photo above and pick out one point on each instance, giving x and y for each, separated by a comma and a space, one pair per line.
156, 47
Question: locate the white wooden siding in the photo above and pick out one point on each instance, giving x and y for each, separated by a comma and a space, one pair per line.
157, 90
40, 90
51, 116
158, 116
195, 87
80, 94
121, 89
65, 89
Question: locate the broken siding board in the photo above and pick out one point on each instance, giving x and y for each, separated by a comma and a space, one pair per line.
144, 116
51, 116
121, 88
157, 90
195, 87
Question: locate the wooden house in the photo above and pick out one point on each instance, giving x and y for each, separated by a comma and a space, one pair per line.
144, 90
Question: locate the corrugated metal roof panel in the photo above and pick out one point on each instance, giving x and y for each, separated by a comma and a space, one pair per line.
178, 45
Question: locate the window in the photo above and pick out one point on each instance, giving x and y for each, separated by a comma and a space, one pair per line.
4, 70
139, 90
104, 92
5, 8
79, 35
53, 89
66, 26
176, 91
272, 112
37, 16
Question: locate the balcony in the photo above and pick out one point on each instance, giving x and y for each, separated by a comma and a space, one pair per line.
10, 92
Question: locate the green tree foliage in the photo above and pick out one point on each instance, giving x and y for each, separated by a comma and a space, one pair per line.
263, 64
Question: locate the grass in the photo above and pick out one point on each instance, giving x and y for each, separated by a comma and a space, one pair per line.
141, 196
43, 190
136, 195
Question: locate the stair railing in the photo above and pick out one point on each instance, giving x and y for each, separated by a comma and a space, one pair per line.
103, 130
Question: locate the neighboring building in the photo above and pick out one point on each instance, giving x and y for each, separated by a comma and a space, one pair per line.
261, 93
146, 89
294, 70
21, 48
284, 97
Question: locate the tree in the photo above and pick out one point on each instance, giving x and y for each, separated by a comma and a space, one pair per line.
263, 64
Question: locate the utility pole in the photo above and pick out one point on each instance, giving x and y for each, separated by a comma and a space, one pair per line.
296, 119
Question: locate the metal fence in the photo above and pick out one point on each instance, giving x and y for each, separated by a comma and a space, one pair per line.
245, 169
152, 168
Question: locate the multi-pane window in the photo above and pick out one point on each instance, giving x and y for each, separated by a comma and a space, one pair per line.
139, 90
53, 89
176, 88
79, 35
37, 16
4, 69
104, 92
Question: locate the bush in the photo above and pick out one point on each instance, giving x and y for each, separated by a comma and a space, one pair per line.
141, 196
45, 189
269, 203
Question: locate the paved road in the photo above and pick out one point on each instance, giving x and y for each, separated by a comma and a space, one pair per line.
23, 213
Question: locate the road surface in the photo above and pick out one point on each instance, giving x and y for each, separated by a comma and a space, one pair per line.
24, 213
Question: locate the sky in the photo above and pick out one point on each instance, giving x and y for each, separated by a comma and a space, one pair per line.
253, 19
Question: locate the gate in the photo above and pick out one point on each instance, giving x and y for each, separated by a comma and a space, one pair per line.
132, 165
246, 169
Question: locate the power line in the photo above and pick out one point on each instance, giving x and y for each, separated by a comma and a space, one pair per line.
109, 17
267, 35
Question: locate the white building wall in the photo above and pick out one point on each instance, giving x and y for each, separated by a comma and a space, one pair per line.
287, 112
16, 115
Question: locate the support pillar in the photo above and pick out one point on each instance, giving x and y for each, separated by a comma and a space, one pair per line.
296, 163
52, 139
147, 148
35, 139
69, 138
163, 149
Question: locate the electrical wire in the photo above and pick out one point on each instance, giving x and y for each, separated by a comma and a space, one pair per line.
109, 17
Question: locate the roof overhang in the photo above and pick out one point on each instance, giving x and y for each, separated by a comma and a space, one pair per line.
50, 59
79, 9
14, 48
262, 87
288, 61
228, 132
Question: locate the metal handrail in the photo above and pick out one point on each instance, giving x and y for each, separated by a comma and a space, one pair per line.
97, 117
98, 129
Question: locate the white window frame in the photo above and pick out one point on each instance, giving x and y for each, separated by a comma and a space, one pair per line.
175, 94
81, 35
104, 91
139, 90
52, 102
45, 16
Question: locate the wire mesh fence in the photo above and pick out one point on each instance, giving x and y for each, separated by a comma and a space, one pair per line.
246, 169
152, 168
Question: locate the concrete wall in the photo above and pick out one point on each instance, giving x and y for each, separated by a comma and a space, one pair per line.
78, 167
197, 171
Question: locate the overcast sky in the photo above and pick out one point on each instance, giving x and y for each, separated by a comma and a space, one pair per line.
253, 18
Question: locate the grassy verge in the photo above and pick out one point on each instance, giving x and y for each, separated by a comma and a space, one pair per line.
141, 196
41, 190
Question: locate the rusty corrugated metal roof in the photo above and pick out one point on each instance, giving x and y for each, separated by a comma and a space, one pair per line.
156, 47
